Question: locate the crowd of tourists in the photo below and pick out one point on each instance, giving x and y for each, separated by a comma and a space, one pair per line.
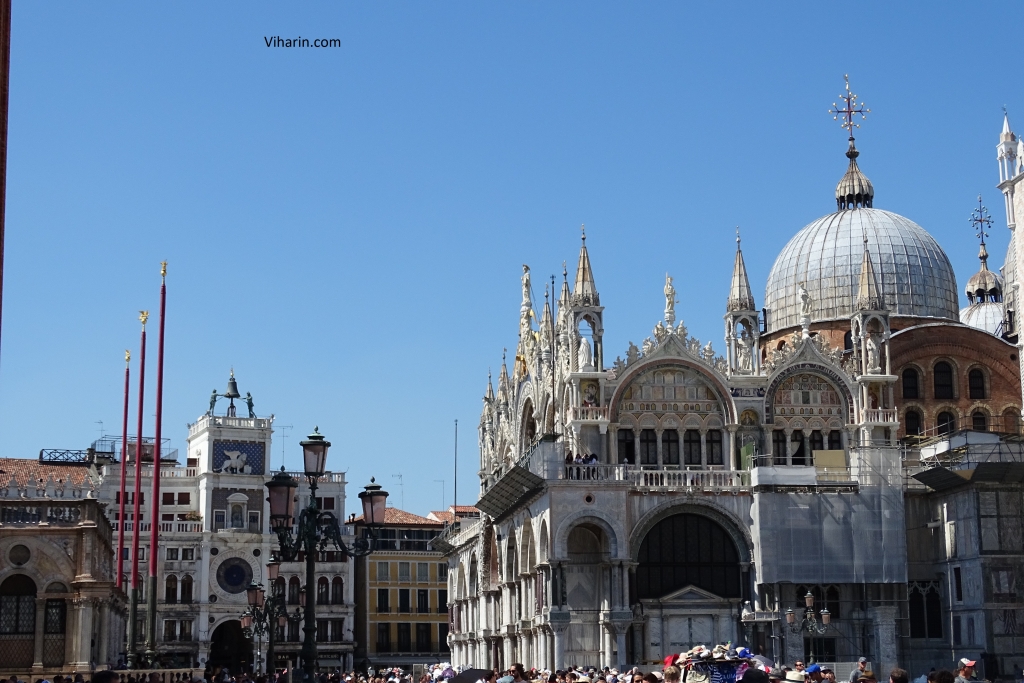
696, 666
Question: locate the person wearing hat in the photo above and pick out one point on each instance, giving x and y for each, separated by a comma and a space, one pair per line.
867, 676
965, 670
795, 676
813, 673
862, 665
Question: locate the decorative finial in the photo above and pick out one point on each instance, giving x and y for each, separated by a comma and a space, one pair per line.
565, 272
232, 373
981, 221
583, 231
1004, 110
143, 316
852, 108
127, 356
163, 269
737, 237
503, 353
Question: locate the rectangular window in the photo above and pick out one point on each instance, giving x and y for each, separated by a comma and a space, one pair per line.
405, 637
958, 585
186, 630
172, 553
403, 571
422, 572
691, 447
325, 503
322, 630
627, 447
442, 571
950, 540
835, 440
403, 600
167, 498
188, 554
337, 630
293, 630
442, 637
167, 517
423, 601
670, 447
820, 649
957, 634
442, 601
648, 447
422, 637
383, 637
779, 446
184, 498
218, 519
1003, 588
714, 446
383, 600
170, 630
383, 571
254, 522
970, 630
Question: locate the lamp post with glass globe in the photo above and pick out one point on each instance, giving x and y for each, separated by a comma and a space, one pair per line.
316, 529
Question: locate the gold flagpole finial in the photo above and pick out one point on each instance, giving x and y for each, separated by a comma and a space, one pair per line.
127, 356
163, 269
143, 316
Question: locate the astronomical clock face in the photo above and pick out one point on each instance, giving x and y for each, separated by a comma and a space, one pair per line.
807, 395
238, 457
232, 574
669, 389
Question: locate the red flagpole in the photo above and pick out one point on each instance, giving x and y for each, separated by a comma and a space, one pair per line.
137, 523
154, 536
124, 468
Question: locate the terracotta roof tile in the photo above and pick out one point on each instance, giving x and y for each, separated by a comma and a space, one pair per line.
445, 516
396, 517
25, 471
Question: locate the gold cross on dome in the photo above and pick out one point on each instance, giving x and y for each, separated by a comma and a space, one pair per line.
852, 108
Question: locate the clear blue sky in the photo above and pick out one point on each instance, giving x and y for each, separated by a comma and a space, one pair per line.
346, 227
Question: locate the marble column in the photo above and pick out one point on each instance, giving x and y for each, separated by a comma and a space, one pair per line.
37, 657
83, 657
559, 628
103, 658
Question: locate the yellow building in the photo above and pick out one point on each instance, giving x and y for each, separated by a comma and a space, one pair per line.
401, 594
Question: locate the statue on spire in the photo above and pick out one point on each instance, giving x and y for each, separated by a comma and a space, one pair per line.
670, 301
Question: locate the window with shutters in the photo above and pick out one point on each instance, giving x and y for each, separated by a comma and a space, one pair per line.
404, 637
383, 637
422, 572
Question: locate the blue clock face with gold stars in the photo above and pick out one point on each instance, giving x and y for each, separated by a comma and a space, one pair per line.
238, 457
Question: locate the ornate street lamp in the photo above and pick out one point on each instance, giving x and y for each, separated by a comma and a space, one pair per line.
263, 615
809, 623
316, 529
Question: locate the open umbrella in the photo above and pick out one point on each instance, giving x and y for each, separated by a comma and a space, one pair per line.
471, 675
764, 660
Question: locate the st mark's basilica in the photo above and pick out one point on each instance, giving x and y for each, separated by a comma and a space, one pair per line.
843, 480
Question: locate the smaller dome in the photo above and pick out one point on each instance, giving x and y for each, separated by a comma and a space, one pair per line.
854, 189
987, 316
984, 286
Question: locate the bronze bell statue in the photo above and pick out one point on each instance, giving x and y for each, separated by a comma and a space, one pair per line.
231, 393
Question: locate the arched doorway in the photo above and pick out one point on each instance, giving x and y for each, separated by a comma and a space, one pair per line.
585, 592
230, 648
689, 580
17, 622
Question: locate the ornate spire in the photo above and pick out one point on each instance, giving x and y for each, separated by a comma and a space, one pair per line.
854, 189
869, 295
547, 321
489, 396
984, 286
585, 291
740, 296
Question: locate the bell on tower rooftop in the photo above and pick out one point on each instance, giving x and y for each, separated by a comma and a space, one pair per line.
231, 393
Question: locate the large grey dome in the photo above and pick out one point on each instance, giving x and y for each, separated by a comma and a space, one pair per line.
913, 272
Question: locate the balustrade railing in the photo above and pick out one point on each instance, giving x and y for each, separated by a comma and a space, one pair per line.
678, 479
881, 415
580, 472
590, 413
